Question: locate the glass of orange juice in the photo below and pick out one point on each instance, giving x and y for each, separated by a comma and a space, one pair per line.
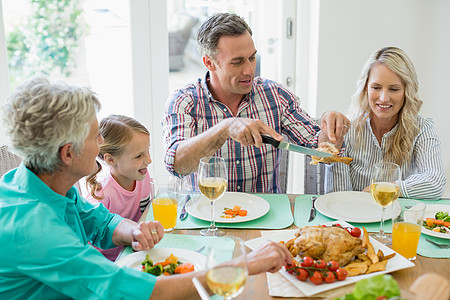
407, 223
165, 205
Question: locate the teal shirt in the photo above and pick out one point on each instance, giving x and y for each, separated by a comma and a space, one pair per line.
44, 251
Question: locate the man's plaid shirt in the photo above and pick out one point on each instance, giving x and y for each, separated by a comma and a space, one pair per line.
192, 110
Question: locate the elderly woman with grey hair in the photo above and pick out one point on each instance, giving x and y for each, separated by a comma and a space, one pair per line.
47, 227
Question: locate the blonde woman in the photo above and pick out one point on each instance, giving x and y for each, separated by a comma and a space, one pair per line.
386, 126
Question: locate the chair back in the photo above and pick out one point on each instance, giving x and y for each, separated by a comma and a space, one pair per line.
284, 169
8, 160
314, 177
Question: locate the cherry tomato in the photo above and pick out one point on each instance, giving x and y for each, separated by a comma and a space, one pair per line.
288, 266
291, 269
306, 261
341, 274
329, 277
356, 232
332, 265
302, 274
338, 225
320, 264
381, 297
317, 278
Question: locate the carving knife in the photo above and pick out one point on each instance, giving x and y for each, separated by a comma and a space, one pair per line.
312, 213
291, 147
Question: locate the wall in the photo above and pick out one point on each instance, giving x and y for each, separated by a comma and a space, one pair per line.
350, 30
4, 91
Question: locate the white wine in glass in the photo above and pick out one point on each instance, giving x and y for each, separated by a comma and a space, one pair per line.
213, 187
385, 189
384, 193
212, 182
227, 279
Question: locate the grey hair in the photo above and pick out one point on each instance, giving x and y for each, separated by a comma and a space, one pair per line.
40, 117
400, 149
216, 26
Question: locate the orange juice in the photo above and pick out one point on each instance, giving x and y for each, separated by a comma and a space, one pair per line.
165, 211
405, 238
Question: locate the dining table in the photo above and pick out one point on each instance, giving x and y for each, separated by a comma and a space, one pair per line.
257, 285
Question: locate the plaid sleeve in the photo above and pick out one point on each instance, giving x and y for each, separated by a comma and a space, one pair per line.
178, 125
300, 128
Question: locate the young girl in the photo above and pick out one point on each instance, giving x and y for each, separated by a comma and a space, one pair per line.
124, 188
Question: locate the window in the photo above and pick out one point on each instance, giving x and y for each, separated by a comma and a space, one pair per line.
81, 42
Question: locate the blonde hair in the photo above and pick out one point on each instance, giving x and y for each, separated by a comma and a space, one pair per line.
399, 147
116, 131
40, 117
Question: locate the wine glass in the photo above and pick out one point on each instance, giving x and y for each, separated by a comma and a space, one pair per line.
212, 181
385, 189
227, 279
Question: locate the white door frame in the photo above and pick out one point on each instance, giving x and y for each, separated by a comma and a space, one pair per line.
150, 71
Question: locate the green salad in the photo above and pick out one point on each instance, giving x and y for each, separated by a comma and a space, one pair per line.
442, 215
380, 287
440, 223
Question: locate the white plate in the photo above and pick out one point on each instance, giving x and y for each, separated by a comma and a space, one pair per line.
135, 260
430, 212
256, 207
357, 207
398, 262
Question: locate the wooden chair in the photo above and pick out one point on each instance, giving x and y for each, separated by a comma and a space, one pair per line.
314, 177
8, 160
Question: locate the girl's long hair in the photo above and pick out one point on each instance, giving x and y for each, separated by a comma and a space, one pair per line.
116, 131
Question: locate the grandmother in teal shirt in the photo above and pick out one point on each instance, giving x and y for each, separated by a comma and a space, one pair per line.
46, 226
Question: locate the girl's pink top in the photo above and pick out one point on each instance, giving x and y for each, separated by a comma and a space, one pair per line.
128, 204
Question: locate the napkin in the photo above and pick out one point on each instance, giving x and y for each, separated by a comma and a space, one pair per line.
429, 250
278, 217
193, 242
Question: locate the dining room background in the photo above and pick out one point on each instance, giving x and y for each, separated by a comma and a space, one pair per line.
135, 53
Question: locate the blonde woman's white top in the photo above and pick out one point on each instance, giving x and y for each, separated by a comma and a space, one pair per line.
423, 177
